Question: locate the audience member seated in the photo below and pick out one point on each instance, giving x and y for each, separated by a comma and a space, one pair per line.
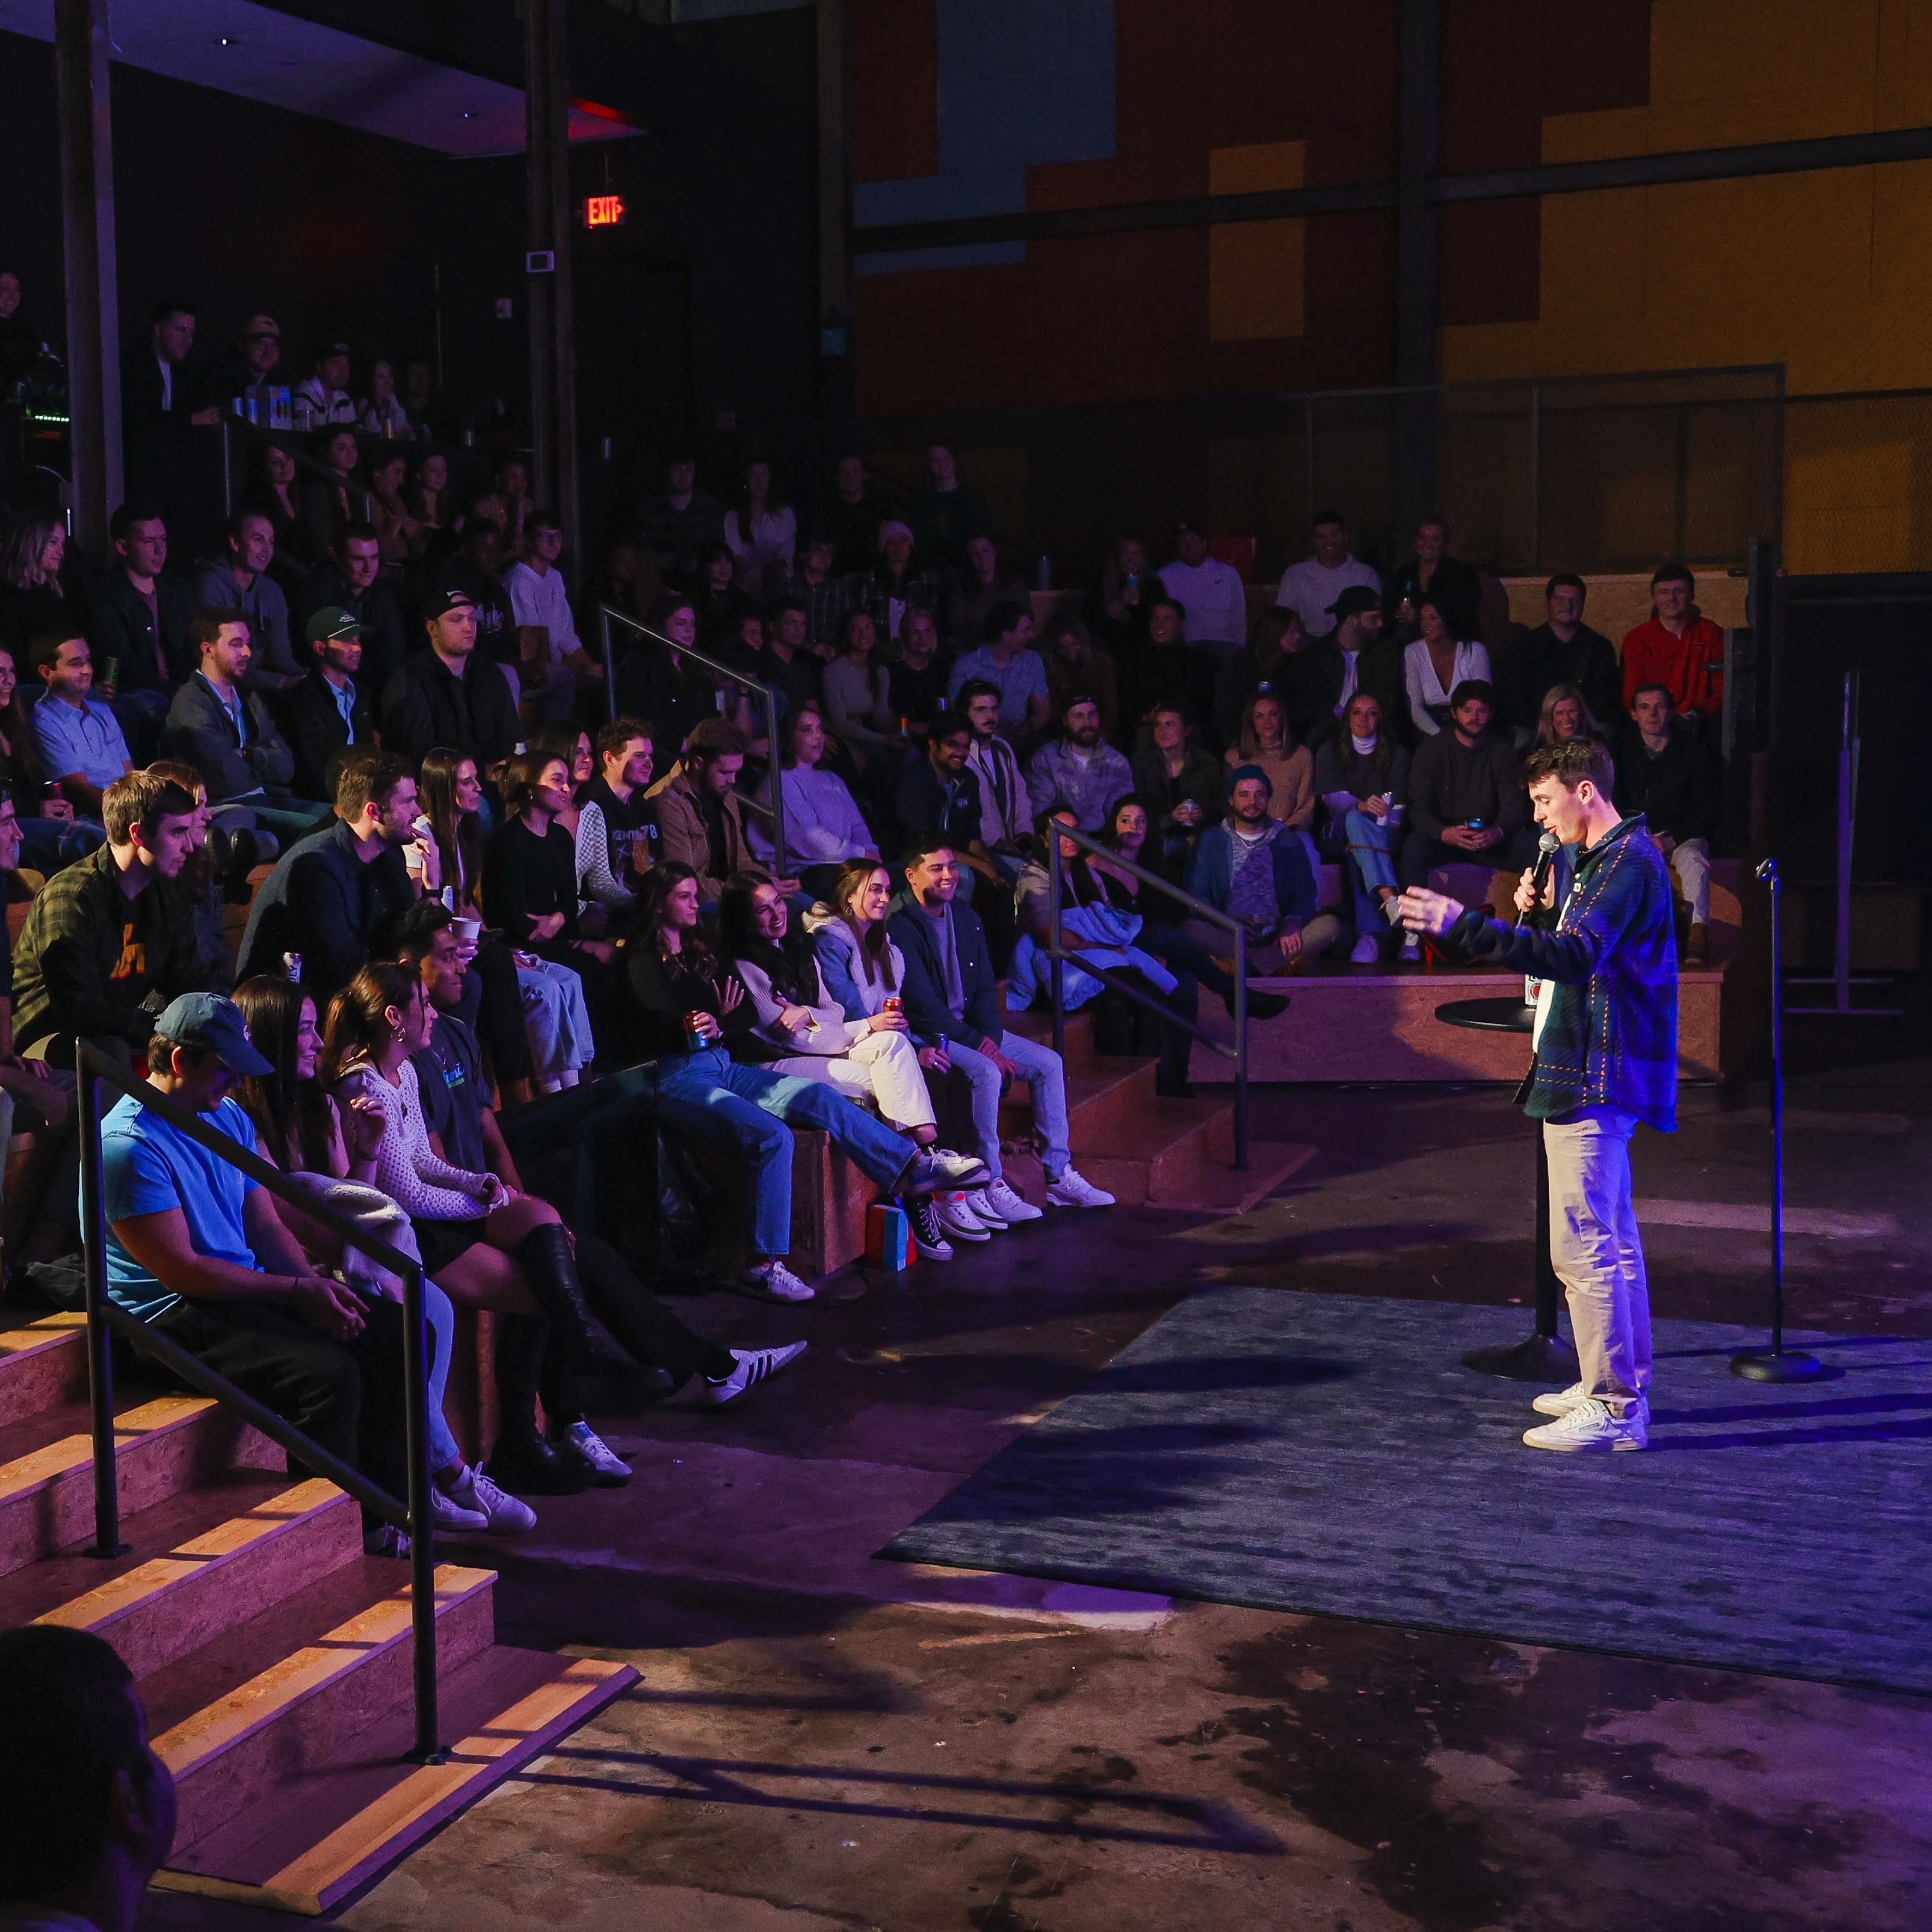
275, 489
859, 705
984, 583
196, 1248
825, 830
684, 1009
215, 877
915, 679
1564, 649
849, 517
1432, 571
1168, 672
788, 663
940, 793
1355, 656
250, 364
381, 412
892, 587
680, 520
659, 682
226, 732
1670, 775
34, 595
87, 1810
444, 697
1253, 868
572, 743
1006, 808
471, 566
700, 814
159, 397
329, 1148
617, 835
721, 605
332, 494
762, 533
1265, 743
429, 494
351, 581
328, 712
138, 621
1118, 611
948, 514
1006, 660
1105, 939
334, 896
488, 1246
1265, 665
821, 589
1210, 592
1436, 664
323, 398
1310, 588
239, 581
1361, 777
78, 743
400, 539
1078, 769
952, 1004
1074, 666
54, 836
1184, 787
554, 663
1466, 802
1564, 715
1679, 648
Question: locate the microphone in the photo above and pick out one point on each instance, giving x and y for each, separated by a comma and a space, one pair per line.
1546, 856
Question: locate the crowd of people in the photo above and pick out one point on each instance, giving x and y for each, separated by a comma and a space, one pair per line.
503, 875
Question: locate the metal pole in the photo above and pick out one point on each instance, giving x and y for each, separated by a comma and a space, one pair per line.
610, 664
1535, 476
1240, 1051
773, 777
553, 368
100, 1339
1841, 954
1418, 259
422, 1538
836, 389
1057, 966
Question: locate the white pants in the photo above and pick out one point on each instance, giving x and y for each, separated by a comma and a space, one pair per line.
556, 1020
1691, 867
883, 1068
1596, 1250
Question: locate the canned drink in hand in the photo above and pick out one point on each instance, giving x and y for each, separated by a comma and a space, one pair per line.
695, 1038
291, 967
893, 1004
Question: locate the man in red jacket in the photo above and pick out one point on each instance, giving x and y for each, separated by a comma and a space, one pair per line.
1679, 648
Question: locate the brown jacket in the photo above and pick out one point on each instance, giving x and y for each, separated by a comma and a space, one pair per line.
682, 837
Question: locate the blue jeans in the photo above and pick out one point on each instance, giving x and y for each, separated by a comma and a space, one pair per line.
439, 1318
1371, 863
1044, 1072
49, 845
707, 1096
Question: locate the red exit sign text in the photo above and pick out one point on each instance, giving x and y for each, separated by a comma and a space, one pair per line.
604, 210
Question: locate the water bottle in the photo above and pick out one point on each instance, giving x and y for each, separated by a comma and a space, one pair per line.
291, 968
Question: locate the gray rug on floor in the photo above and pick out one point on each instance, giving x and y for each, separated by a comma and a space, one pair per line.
1329, 1454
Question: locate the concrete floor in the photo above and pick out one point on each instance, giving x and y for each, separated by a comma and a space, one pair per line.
822, 1740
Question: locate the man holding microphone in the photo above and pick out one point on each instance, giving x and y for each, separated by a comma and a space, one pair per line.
1605, 1059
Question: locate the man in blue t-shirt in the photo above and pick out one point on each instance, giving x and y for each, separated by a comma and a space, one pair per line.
196, 1248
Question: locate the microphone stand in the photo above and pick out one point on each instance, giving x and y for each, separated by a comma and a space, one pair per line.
1778, 1364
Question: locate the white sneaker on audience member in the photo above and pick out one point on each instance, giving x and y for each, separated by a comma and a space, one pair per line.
928, 1237
984, 1212
958, 1220
960, 1170
451, 1518
1592, 1425
608, 1470
755, 1365
1071, 1190
503, 1514
772, 1281
1011, 1206
1367, 951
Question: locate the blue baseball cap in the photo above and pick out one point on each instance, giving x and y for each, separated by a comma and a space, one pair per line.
210, 1024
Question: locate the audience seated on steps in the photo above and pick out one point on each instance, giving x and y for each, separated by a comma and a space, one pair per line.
1210, 592
487, 1245
239, 579
940, 793
328, 1148
329, 712
953, 1002
52, 835
617, 837
450, 695
1362, 778
1667, 773
701, 818
825, 830
1078, 769
1309, 588
110, 941
350, 581
1007, 660
199, 1250
87, 1810
1436, 664
1106, 937
1253, 868
456, 1109
78, 746
1265, 664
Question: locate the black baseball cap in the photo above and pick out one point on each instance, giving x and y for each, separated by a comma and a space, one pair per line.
440, 603
1353, 601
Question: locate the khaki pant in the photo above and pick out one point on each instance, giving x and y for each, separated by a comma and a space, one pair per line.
1691, 867
1264, 956
1596, 1251
882, 1067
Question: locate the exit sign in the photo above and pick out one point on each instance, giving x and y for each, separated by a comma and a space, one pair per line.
604, 210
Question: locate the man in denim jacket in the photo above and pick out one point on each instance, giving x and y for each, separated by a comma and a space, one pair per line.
1606, 1058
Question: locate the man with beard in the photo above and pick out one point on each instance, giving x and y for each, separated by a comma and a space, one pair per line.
350, 581
1077, 769
1253, 867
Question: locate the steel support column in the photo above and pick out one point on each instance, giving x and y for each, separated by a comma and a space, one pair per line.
552, 347
1418, 262
87, 233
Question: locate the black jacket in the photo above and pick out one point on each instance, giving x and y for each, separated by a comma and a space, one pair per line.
427, 705
1588, 660
1455, 583
200, 731
120, 626
323, 902
377, 609
1680, 792
1316, 676
927, 1014
317, 732
927, 802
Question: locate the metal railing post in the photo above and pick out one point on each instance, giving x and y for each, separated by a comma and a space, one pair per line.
1535, 476
1057, 967
422, 1528
1240, 1051
610, 663
99, 1338
773, 780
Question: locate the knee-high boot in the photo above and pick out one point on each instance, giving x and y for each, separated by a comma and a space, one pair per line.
521, 1460
550, 1268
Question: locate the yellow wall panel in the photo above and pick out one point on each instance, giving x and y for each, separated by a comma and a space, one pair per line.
1258, 169
1256, 280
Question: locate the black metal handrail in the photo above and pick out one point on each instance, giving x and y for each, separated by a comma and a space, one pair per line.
104, 1315
775, 804
1059, 956
305, 464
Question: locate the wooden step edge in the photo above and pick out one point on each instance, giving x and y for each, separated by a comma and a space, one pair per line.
142, 1611
428, 1797
46, 1331
42, 1363
1271, 1163
152, 1420
196, 1741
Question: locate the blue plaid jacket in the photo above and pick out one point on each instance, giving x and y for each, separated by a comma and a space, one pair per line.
1610, 1037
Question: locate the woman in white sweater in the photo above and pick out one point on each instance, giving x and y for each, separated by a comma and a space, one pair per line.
1435, 663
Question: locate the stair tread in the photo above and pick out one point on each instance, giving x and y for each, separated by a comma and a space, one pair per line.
313, 1837
1214, 1189
40, 1447
1130, 1136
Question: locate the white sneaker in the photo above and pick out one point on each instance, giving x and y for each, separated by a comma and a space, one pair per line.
957, 1220
772, 1281
985, 1213
608, 1470
928, 1237
1591, 1426
1412, 948
1367, 951
503, 1514
754, 1366
451, 1517
1070, 1190
1560, 1402
960, 1170
1009, 1203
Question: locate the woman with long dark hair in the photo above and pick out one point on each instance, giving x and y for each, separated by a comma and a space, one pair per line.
1362, 774
488, 1246
689, 1010
1437, 662
335, 496
761, 533
273, 490
825, 830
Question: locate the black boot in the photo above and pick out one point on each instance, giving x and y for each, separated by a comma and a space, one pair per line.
551, 1269
522, 1462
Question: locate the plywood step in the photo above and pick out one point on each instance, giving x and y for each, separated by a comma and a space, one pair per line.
43, 1363
317, 1836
